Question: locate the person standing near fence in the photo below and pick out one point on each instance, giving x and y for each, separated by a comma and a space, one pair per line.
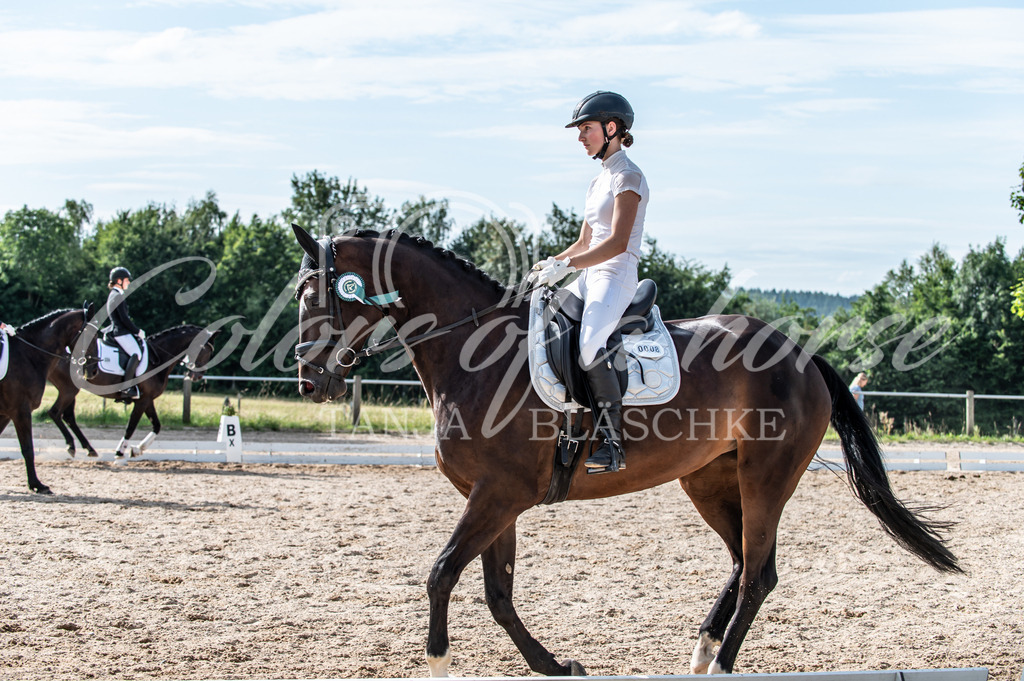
857, 388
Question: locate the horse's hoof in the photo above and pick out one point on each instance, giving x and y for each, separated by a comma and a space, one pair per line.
575, 668
42, 489
71, 452
93, 452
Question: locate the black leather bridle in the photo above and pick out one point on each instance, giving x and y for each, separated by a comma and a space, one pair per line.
330, 275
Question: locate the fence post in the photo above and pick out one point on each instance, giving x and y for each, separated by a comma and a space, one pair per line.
970, 412
186, 400
357, 398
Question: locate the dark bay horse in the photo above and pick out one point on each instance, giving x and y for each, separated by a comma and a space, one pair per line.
188, 345
748, 419
36, 348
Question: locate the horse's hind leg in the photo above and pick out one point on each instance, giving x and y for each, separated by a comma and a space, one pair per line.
55, 415
715, 494
69, 417
499, 561
767, 477
123, 447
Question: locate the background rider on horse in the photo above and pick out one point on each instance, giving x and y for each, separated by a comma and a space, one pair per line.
122, 329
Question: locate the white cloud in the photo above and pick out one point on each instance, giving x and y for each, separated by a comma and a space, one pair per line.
54, 131
810, 107
459, 49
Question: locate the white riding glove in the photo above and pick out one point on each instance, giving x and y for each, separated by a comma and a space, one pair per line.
550, 271
142, 334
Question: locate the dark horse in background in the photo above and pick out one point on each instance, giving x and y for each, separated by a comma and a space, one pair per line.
36, 348
739, 475
188, 345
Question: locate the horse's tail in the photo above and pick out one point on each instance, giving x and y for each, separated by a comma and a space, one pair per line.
866, 473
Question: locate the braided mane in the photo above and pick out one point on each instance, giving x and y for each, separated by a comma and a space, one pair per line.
441, 254
176, 331
45, 320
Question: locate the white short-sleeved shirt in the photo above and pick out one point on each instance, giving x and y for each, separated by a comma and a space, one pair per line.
618, 174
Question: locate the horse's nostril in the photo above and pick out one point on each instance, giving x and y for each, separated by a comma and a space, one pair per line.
306, 388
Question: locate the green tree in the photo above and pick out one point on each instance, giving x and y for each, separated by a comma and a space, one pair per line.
1017, 201
498, 246
1017, 197
939, 327
427, 218
563, 229
150, 239
686, 289
323, 205
41, 263
255, 279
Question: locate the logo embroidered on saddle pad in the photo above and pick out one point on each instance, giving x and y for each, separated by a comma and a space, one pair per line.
110, 359
652, 365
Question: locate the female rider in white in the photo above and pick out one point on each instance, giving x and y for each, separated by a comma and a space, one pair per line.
608, 252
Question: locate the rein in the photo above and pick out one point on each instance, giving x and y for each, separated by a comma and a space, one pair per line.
334, 311
18, 336
36, 347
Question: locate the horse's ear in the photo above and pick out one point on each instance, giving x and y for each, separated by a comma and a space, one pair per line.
307, 243
88, 307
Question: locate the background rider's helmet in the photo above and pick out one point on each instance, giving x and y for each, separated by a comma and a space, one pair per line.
119, 273
602, 106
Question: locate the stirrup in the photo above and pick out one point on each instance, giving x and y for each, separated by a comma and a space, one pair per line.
609, 458
128, 394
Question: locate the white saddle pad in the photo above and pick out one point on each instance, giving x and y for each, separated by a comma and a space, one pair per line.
4, 354
110, 360
655, 350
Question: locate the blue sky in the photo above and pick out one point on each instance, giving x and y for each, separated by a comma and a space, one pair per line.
808, 145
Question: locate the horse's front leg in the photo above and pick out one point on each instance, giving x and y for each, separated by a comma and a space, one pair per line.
23, 426
499, 562
487, 515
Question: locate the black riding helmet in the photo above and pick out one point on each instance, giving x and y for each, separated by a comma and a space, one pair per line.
119, 273
602, 106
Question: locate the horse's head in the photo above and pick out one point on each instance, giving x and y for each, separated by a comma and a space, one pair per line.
66, 327
333, 325
196, 361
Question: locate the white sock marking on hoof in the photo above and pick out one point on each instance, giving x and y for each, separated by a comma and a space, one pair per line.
439, 665
703, 654
715, 668
146, 441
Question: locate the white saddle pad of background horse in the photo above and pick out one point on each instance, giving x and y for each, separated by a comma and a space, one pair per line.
110, 360
4, 354
660, 376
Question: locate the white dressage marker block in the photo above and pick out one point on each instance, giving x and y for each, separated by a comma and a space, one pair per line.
230, 436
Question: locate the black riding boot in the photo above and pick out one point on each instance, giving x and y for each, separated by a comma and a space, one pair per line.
131, 391
607, 393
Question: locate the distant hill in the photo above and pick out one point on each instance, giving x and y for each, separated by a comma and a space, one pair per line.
824, 304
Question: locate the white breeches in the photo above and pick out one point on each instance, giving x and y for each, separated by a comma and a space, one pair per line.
606, 290
129, 344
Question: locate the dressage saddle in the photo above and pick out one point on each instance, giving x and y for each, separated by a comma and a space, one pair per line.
562, 317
